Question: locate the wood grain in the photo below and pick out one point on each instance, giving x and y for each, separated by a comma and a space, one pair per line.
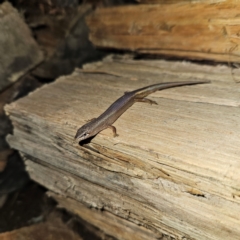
174, 169
178, 1
194, 31
111, 224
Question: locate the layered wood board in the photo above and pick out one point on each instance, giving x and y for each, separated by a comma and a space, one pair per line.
112, 225
204, 30
178, 1
174, 167
18, 50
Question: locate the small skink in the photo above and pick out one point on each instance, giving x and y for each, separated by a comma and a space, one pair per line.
106, 119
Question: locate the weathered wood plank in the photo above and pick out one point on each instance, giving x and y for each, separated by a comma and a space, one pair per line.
106, 200
12, 170
178, 1
18, 50
195, 31
173, 166
111, 224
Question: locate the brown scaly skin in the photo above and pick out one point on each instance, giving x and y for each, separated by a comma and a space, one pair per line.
106, 119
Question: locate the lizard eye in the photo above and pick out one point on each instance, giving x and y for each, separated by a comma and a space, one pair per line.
85, 135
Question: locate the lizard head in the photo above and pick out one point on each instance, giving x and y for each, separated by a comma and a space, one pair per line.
87, 130
82, 133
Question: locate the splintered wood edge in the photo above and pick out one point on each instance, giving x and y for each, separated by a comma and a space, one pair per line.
142, 188
155, 36
108, 222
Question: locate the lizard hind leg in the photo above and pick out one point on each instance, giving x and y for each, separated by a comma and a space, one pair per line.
114, 130
146, 100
